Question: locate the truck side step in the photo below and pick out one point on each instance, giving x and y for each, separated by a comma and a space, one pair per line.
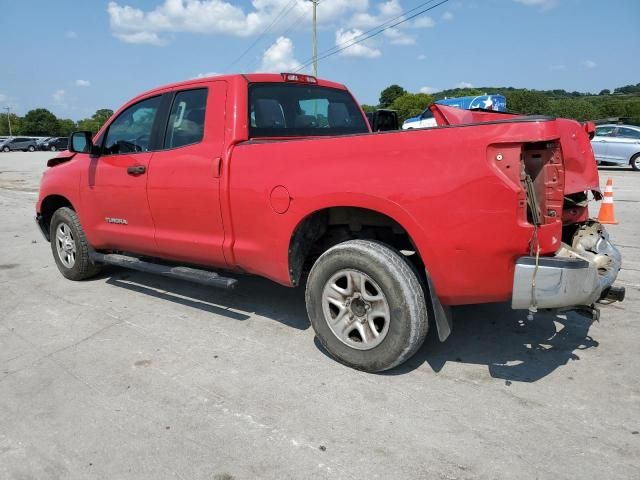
196, 275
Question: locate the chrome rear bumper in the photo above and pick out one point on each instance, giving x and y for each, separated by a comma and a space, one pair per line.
579, 274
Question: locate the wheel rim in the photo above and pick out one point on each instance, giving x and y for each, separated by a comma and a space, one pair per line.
356, 309
65, 245
53, 149
636, 162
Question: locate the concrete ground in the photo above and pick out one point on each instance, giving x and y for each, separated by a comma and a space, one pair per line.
131, 376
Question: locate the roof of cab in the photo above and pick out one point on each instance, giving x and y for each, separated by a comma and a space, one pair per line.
248, 77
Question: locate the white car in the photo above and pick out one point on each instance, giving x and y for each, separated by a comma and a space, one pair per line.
617, 144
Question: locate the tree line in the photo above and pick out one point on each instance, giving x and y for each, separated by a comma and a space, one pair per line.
623, 102
40, 122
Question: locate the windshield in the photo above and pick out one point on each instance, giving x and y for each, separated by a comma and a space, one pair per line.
293, 110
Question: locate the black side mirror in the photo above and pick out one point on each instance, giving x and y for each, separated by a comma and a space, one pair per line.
80, 142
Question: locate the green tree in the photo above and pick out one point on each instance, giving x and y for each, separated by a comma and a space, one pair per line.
368, 108
390, 94
16, 124
576, 109
66, 127
40, 121
528, 102
101, 116
606, 91
410, 105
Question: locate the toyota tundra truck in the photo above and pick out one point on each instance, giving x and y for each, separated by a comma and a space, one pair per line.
280, 175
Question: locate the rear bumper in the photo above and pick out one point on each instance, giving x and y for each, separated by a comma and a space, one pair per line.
578, 275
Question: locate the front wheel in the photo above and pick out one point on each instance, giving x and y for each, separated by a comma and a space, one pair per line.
6, 149
635, 162
70, 247
366, 305
53, 148
31, 148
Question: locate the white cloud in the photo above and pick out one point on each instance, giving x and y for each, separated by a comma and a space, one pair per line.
70, 34
429, 90
279, 57
134, 25
590, 64
83, 83
464, 85
398, 37
346, 37
424, 22
447, 16
386, 11
58, 98
543, 4
207, 74
421, 57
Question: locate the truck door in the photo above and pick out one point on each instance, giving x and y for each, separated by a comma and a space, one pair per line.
115, 211
184, 177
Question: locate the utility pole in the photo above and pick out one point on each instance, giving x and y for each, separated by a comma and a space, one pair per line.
315, 39
8, 109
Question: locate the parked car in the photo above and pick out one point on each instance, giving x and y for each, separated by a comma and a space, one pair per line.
55, 143
281, 176
40, 141
18, 143
617, 145
497, 103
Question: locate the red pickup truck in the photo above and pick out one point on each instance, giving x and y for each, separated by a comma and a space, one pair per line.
279, 175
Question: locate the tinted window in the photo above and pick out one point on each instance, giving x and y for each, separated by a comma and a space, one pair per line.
186, 121
290, 110
131, 131
628, 133
604, 131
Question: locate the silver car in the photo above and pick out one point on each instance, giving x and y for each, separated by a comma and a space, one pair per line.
18, 143
617, 144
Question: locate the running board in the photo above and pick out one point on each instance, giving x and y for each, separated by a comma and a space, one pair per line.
189, 274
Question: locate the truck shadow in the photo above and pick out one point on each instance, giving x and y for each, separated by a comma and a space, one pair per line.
513, 348
253, 295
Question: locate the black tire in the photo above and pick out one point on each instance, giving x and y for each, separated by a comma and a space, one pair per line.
635, 162
6, 149
82, 267
53, 148
400, 286
31, 148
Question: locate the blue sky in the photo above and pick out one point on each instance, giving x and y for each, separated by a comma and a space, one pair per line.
74, 57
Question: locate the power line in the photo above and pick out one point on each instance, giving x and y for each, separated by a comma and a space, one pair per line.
283, 13
377, 31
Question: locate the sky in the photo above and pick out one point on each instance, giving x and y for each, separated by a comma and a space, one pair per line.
76, 56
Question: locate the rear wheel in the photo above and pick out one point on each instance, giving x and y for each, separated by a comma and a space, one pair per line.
366, 305
635, 162
53, 148
31, 148
70, 247
6, 149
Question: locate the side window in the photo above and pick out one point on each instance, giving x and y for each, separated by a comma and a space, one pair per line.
186, 121
628, 133
131, 131
604, 131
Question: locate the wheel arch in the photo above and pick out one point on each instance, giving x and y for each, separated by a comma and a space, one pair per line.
48, 206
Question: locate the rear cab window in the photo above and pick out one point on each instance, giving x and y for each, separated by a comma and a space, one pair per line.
186, 120
294, 110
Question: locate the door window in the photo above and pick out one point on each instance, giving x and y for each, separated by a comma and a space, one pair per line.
186, 121
131, 131
628, 133
604, 131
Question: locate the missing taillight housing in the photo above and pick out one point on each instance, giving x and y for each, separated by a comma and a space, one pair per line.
542, 162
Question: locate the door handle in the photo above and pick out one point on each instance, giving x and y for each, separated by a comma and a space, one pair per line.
136, 170
217, 163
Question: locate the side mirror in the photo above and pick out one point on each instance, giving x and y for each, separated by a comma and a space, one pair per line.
80, 142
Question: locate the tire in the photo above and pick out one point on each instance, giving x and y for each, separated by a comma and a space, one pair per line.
6, 149
31, 148
635, 162
53, 148
392, 298
70, 247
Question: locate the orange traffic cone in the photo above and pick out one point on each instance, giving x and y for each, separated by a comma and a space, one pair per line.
606, 214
